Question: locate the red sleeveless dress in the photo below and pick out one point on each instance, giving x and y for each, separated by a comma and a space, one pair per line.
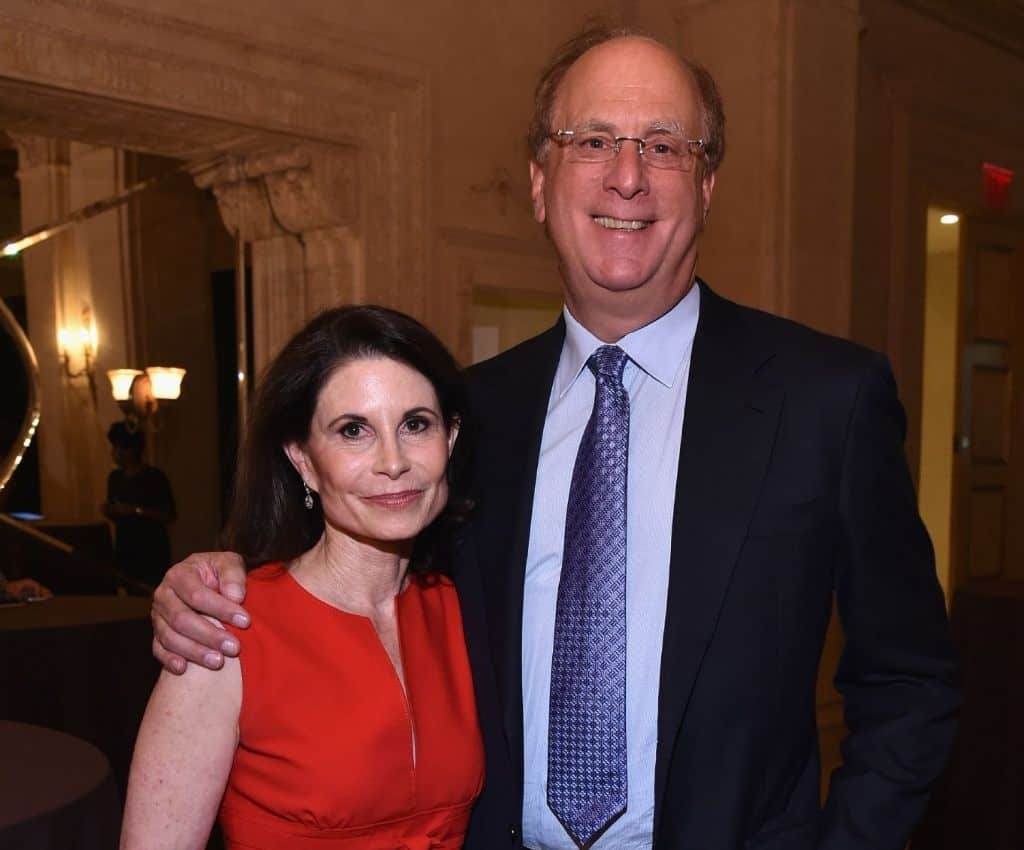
325, 753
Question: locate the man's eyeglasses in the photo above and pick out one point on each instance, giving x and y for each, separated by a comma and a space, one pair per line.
664, 150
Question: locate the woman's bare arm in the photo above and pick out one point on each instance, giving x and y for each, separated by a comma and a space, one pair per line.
182, 759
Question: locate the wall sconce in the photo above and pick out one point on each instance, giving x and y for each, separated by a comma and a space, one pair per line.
139, 393
121, 383
166, 381
78, 346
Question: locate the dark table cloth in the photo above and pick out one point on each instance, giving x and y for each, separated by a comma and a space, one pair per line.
82, 665
56, 792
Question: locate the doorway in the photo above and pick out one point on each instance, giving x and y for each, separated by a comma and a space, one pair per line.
938, 386
988, 482
972, 423
501, 319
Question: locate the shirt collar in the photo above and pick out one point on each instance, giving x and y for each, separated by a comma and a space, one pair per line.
658, 348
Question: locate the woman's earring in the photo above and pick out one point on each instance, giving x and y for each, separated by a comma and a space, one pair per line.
308, 501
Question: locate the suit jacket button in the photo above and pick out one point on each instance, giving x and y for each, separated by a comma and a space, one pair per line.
513, 832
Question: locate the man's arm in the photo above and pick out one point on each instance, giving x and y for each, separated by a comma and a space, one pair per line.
182, 759
26, 588
898, 672
210, 584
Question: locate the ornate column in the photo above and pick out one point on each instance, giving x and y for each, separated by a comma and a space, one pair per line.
298, 209
54, 297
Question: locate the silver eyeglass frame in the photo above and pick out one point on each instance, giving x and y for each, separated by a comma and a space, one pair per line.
641, 144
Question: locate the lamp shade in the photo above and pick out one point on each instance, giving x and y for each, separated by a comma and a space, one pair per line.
121, 382
166, 381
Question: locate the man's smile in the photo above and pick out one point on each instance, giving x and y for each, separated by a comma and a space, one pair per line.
621, 223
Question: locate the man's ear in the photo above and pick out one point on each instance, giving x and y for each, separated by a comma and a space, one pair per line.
300, 460
707, 186
537, 190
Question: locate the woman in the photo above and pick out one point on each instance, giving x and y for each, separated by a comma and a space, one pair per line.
348, 721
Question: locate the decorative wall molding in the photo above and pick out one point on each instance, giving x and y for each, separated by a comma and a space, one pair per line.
242, 200
299, 208
310, 187
39, 151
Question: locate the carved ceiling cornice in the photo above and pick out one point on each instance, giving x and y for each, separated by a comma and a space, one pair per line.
129, 56
42, 111
37, 151
999, 22
297, 189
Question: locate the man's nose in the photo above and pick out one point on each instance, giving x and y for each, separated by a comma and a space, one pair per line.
627, 174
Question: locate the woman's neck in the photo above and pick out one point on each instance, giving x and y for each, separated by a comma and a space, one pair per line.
359, 576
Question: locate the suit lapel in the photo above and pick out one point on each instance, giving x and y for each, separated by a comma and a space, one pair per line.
515, 406
728, 432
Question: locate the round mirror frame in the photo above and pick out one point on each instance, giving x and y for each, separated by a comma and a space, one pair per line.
10, 461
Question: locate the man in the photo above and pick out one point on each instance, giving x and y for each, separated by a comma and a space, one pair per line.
670, 489
140, 504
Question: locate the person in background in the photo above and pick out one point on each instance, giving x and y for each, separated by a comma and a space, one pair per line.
140, 503
351, 723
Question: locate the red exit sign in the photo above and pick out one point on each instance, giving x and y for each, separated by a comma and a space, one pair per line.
996, 182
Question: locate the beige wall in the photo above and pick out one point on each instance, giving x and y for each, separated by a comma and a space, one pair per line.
779, 235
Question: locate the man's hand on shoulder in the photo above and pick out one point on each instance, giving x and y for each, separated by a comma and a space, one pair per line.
192, 601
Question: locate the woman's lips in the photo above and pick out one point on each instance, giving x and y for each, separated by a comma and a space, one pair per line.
394, 501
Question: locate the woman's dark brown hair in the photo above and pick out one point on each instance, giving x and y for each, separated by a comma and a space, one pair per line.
268, 520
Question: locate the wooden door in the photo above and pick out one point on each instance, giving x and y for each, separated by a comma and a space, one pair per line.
988, 515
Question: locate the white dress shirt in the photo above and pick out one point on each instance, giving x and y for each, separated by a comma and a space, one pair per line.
655, 377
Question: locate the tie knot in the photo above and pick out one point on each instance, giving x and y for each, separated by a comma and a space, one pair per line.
608, 362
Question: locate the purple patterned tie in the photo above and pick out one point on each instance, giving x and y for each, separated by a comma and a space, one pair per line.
587, 719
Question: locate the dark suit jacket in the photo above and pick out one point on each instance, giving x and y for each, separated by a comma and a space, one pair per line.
792, 487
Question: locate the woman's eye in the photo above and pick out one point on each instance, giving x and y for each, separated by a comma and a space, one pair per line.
351, 430
417, 424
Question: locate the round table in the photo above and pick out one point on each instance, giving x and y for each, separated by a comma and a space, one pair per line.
56, 792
